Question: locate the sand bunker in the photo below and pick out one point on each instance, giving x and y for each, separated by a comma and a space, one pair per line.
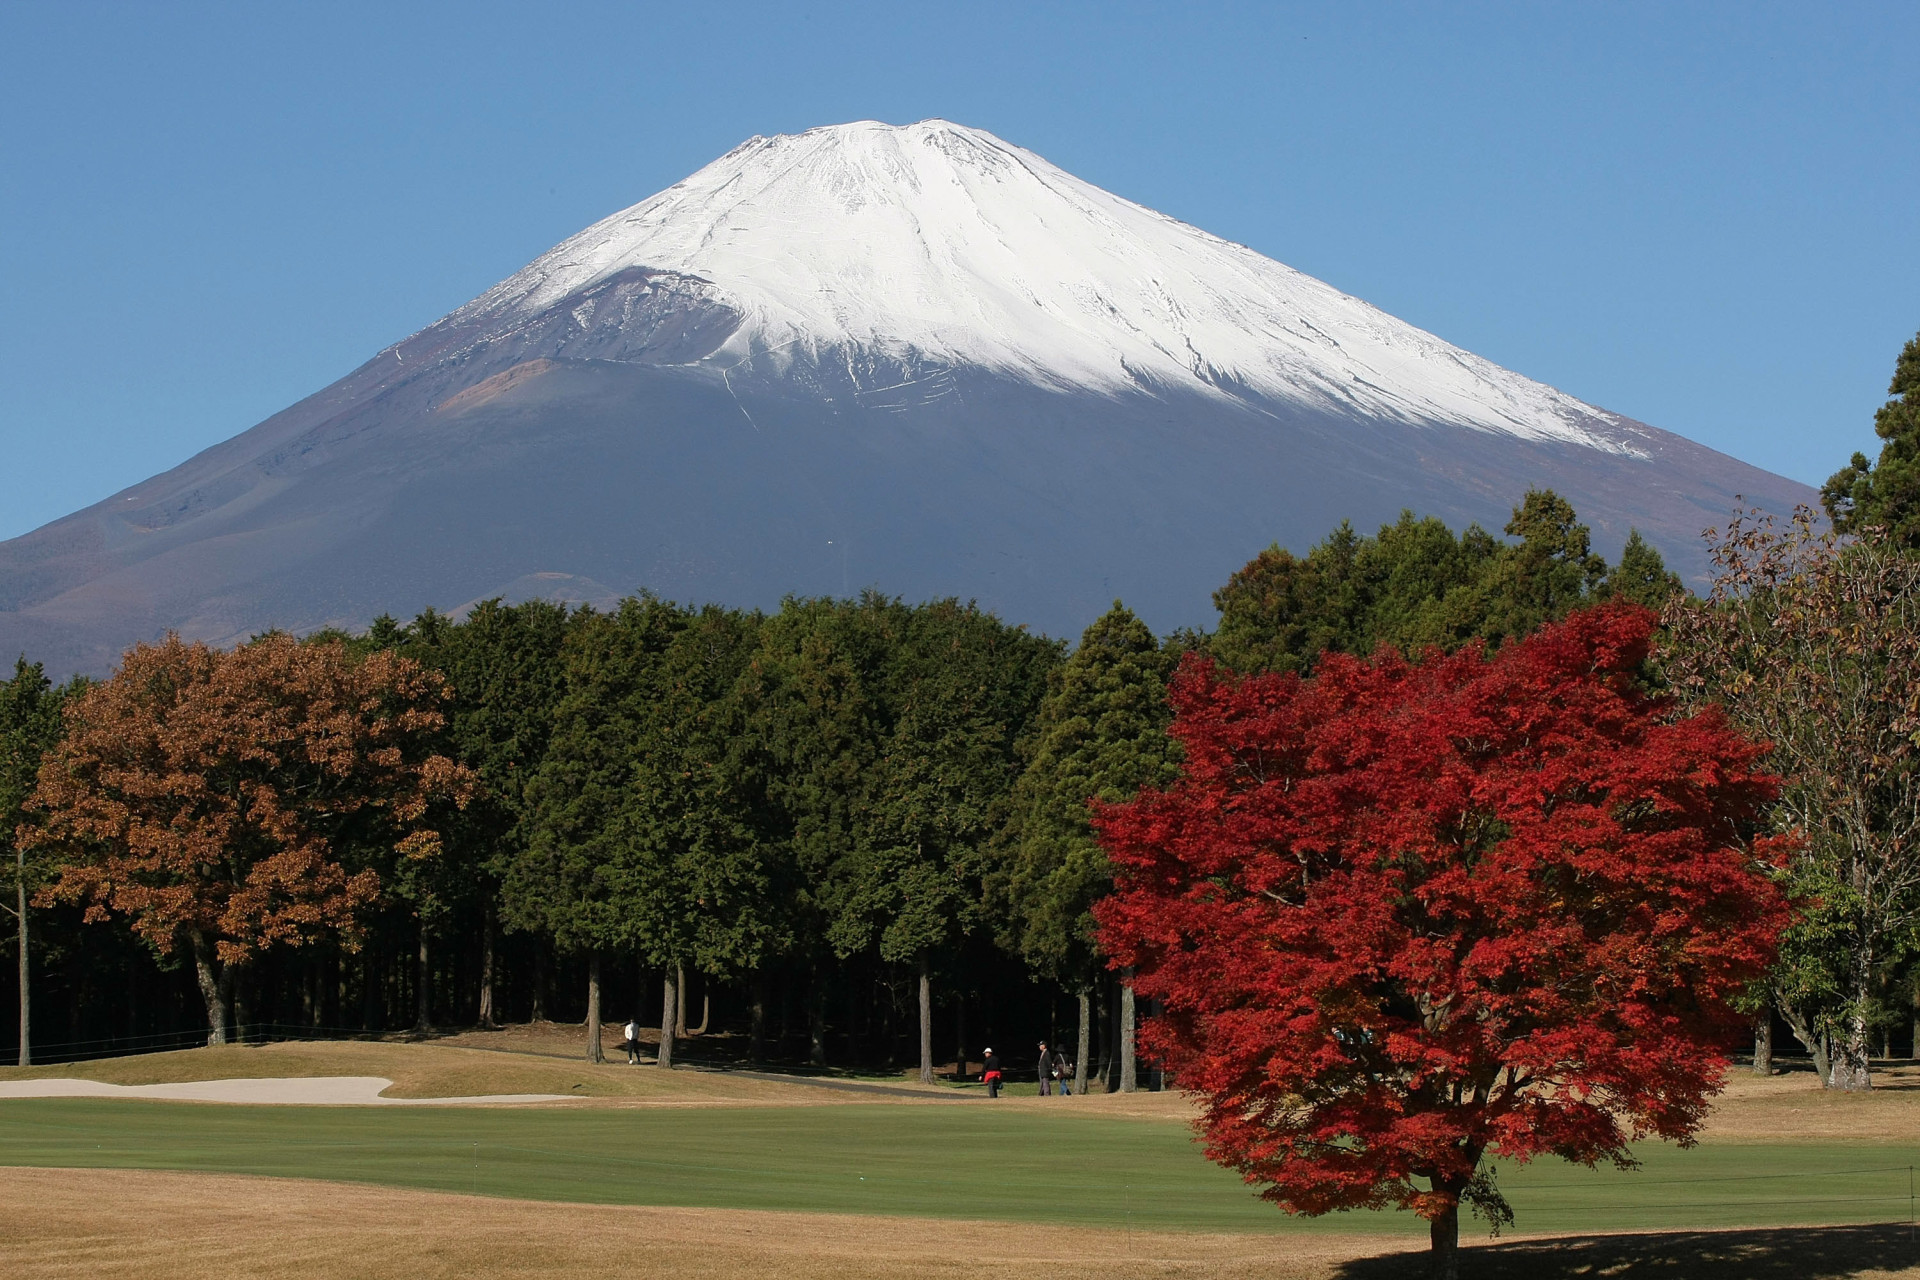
333, 1091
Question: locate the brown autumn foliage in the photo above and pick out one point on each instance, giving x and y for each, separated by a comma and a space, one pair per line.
229, 802
1810, 642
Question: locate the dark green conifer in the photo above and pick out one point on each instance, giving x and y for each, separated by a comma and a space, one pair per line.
1885, 495
1101, 735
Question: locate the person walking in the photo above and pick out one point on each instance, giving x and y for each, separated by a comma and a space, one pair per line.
1046, 1070
633, 1042
1063, 1072
990, 1072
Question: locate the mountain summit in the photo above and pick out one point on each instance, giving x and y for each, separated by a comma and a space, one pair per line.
917, 357
935, 245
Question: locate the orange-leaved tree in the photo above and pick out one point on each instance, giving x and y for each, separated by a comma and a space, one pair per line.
229, 802
1405, 916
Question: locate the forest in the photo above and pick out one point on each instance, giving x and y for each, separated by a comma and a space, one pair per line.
852, 832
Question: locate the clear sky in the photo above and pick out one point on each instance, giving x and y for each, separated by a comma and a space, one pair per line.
1703, 216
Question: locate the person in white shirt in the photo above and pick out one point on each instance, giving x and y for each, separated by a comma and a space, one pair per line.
633, 1043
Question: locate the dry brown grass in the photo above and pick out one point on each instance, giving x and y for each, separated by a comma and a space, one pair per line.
441, 1070
1792, 1107
61, 1223
541, 1058
65, 1224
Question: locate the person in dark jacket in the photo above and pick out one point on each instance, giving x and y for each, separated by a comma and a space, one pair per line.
1047, 1070
990, 1072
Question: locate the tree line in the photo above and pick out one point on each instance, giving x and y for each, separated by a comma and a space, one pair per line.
841, 817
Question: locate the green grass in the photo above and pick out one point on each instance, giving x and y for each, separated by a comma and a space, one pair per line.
965, 1162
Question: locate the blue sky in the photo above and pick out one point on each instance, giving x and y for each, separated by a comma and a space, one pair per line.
1700, 215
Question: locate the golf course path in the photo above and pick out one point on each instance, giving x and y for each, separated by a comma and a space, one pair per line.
336, 1091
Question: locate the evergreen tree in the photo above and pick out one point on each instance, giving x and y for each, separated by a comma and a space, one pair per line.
813, 716
689, 859
565, 883
29, 727
1551, 571
1885, 495
506, 668
958, 691
1412, 585
1281, 611
1100, 735
1641, 576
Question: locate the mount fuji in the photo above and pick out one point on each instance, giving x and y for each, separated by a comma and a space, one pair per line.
917, 358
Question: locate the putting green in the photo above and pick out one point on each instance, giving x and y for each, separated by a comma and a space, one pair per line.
942, 1161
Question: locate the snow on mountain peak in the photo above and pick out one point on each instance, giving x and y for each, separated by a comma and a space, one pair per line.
937, 243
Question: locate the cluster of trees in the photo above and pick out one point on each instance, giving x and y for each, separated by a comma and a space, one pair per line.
841, 815
1406, 914
1810, 641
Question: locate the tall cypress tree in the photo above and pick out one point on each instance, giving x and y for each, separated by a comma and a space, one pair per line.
813, 716
566, 883
506, 668
959, 689
690, 855
1100, 735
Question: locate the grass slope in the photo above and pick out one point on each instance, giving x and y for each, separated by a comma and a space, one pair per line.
1017, 1164
432, 1070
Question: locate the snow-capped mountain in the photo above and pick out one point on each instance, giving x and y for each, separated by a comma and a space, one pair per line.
918, 358
940, 245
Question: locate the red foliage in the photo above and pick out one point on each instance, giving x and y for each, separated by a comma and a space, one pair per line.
1404, 915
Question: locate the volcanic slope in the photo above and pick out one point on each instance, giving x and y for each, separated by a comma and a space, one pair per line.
916, 358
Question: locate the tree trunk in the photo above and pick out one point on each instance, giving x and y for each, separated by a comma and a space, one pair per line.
926, 1023
706, 1011
1085, 1043
1763, 1043
26, 990
538, 1013
960, 1037
594, 1053
241, 989
680, 1004
1128, 1080
486, 967
216, 987
853, 1021
423, 986
757, 1027
1811, 1042
1109, 1025
1159, 1077
1443, 1238
1851, 1070
817, 1022
669, 1013
373, 1014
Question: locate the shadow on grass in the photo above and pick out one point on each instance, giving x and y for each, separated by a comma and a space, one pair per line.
1789, 1253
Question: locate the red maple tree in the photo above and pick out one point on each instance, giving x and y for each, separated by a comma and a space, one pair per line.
1403, 915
